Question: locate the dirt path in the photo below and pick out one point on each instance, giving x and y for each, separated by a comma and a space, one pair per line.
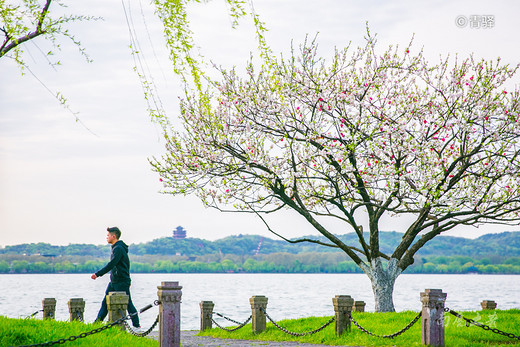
188, 339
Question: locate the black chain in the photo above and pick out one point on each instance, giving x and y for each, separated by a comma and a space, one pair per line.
292, 332
92, 332
231, 329
227, 318
80, 336
143, 334
391, 336
34, 314
483, 326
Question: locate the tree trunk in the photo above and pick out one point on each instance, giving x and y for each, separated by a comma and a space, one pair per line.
383, 280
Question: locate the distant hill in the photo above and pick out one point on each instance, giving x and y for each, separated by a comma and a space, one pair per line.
505, 244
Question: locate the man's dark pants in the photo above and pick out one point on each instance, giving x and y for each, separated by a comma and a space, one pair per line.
118, 287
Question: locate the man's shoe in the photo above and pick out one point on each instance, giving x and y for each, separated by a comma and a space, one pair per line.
138, 330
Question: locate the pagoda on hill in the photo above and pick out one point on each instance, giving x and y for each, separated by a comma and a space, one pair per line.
179, 233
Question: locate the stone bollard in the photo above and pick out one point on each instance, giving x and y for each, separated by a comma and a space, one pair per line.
117, 303
433, 317
169, 294
488, 305
359, 306
206, 313
76, 309
342, 310
49, 308
258, 303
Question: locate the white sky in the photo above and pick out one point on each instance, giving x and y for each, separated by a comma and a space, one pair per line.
61, 184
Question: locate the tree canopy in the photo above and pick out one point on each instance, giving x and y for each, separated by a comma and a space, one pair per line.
26, 20
361, 134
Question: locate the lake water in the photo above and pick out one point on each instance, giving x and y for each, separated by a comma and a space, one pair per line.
290, 295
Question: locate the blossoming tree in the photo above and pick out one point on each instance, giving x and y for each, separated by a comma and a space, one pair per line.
360, 136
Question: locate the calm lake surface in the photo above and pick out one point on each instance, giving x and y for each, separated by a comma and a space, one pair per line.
290, 295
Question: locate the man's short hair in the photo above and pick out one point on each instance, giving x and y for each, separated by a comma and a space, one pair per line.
115, 231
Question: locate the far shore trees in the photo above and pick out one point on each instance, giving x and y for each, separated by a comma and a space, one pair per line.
353, 138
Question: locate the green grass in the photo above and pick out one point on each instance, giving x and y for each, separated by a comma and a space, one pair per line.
15, 332
456, 332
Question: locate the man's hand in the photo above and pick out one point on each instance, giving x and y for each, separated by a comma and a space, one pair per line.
93, 276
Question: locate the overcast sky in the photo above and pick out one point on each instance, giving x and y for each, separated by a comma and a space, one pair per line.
62, 183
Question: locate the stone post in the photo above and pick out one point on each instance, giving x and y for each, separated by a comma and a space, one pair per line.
76, 309
117, 303
359, 306
488, 305
258, 303
433, 317
49, 308
342, 310
206, 313
169, 294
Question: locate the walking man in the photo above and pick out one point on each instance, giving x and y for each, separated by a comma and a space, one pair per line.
119, 266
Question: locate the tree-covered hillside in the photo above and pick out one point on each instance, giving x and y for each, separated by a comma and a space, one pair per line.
489, 254
506, 244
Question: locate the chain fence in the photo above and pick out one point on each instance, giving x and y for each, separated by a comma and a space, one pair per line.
391, 336
470, 321
285, 330
33, 314
240, 325
80, 336
121, 320
141, 334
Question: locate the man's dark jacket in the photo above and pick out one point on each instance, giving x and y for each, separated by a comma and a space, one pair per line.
119, 264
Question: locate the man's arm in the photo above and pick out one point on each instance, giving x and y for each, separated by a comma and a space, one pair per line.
118, 253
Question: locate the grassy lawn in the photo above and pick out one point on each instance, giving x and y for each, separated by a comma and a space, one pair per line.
15, 332
456, 332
